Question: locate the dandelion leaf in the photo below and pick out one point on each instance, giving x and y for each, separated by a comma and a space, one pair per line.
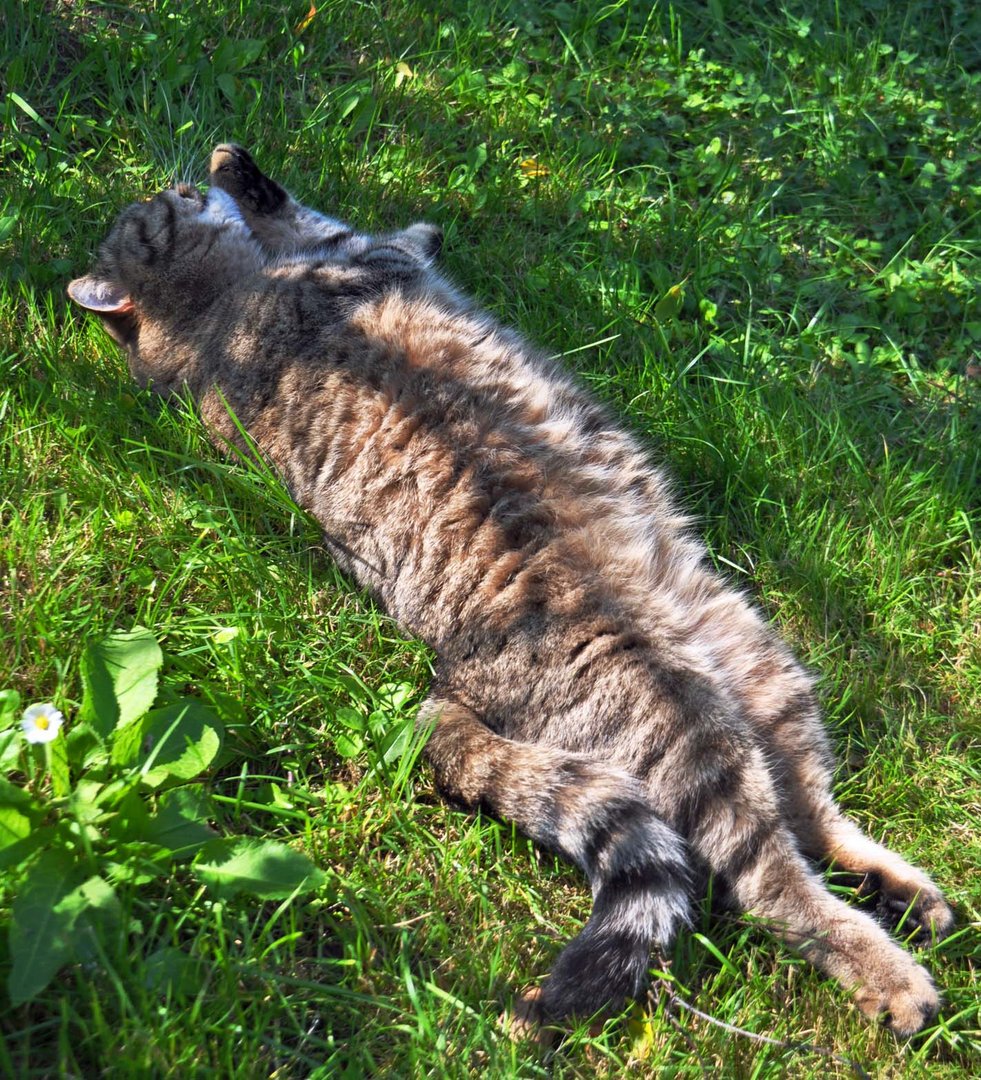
265, 869
175, 743
119, 679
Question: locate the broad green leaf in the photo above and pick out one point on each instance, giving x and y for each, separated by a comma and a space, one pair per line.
56, 759
350, 718
119, 679
278, 797
40, 929
9, 708
395, 742
7, 223
131, 820
177, 742
97, 912
89, 799
85, 747
228, 84
348, 746
14, 826
395, 695
229, 708
171, 972
21, 851
181, 822
137, 863
94, 894
236, 54
265, 869
11, 745
14, 795
708, 310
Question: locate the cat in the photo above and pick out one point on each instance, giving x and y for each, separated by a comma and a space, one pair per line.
596, 682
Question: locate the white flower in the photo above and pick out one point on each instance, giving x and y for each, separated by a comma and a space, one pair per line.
41, 723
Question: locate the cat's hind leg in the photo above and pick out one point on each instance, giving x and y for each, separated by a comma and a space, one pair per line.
730, 811
796, 739
908, 900
778, 700
596, 816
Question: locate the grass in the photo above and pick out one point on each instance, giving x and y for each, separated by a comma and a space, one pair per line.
811, 176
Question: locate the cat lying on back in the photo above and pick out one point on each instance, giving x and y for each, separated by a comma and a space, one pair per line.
597, 683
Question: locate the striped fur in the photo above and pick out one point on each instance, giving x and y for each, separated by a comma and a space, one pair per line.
597, 683
596, 816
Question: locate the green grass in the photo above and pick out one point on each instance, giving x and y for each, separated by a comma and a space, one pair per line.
813, 176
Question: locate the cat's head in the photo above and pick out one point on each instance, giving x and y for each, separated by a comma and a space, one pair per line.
164, 260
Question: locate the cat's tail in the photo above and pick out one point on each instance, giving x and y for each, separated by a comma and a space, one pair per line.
596, 816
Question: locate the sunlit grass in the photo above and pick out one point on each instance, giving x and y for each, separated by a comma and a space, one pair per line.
812, 179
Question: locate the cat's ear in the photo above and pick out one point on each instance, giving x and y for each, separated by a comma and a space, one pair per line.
425, 240
112, 303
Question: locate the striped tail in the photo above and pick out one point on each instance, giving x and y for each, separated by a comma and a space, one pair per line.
595, 816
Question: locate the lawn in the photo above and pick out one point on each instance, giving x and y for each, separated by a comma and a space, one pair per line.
754, 230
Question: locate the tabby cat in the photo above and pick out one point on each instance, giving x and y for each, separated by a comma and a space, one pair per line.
597, 683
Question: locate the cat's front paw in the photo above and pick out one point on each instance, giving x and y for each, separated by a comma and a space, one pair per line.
234, 171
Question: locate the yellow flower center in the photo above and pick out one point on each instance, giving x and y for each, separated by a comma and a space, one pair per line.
43, 723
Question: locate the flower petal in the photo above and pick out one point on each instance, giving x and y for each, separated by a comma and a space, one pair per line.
41, 722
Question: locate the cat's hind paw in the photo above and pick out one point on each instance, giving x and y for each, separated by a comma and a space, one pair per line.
925, 916
905, 999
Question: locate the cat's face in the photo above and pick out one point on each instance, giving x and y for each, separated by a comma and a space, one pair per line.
168, 259
167, 256
165, 260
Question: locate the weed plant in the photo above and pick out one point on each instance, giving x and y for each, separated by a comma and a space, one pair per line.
754, 230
